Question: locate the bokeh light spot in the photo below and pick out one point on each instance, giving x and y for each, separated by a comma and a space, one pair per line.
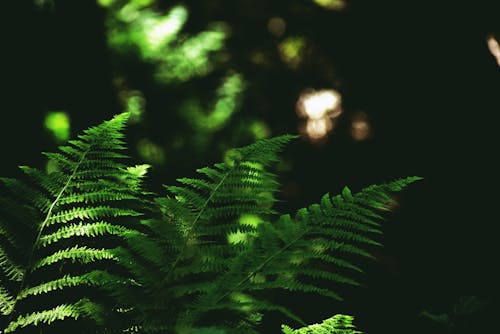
276, 26
494, 48
259, 130
331, 4
360, 127
135, 104
318, 128
58, 124
105, 3
319, 109
291, 51
150, 152
316, 104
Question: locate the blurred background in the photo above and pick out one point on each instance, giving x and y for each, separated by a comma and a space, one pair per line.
376, 89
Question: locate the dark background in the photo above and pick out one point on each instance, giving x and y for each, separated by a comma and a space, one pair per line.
421, 70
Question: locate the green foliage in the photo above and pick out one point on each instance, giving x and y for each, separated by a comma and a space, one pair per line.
338, 324
157, 38
85, 249
51, 222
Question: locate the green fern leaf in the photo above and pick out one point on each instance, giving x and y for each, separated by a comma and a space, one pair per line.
79, 214
83, 307
338, 324
296, 254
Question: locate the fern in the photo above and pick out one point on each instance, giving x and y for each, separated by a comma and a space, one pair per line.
203, 277
68, 216
338, 324
84, 248
305, 253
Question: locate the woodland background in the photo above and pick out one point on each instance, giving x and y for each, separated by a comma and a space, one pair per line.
420, 72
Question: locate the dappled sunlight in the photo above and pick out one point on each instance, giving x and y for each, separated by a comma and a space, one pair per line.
57, 123
494, 47
248, 220
319, 110
192, 58
156, 37
161, 31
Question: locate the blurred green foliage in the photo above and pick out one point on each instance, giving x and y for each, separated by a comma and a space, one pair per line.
184, 70
57, 124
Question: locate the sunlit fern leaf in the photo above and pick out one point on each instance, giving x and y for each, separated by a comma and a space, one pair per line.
338, 324
205, 210
82, 308
311, 252
77, 214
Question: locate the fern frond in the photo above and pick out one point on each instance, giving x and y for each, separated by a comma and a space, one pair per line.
92, 213
206, 209
83, 307
79, 254
190, 245
9, 268
96, 278
338, 324
81, 229
6, 301
296, 254
92, 195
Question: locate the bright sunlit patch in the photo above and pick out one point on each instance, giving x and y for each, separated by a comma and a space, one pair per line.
237, 238
58, 124
160, 32
331, 4
276, 26
319, 109
250, 220
243, 237
316, 104
360, 127
494, 48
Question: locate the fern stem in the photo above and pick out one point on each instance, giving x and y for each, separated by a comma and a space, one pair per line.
191, 229
44, 223
260, 267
